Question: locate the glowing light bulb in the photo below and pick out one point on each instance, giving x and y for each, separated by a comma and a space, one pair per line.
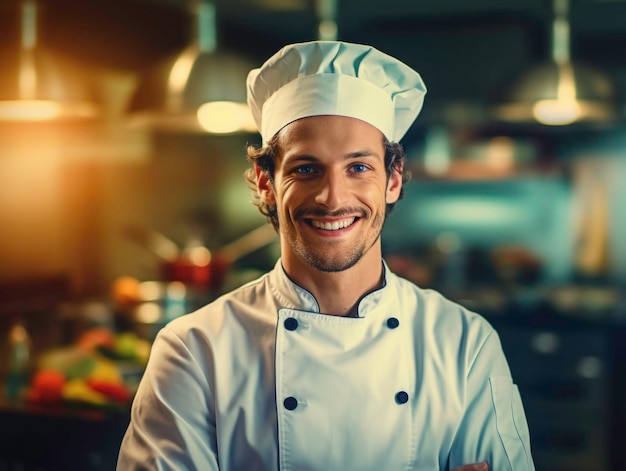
556, 112
223, 117
29, 110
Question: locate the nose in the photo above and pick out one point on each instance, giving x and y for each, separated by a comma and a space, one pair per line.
333, 190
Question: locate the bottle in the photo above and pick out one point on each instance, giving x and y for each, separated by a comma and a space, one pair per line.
18, 374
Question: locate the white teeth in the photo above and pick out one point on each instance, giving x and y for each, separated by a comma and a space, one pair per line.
332, 226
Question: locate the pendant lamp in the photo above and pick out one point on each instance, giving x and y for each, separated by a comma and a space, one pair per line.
201, 90
559, 91
36, 85
326, 11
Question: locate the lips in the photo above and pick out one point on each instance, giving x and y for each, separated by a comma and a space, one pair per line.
332, 225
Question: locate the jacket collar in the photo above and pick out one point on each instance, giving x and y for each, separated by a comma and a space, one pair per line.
294, 296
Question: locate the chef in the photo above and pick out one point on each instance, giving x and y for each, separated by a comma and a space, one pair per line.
330, 361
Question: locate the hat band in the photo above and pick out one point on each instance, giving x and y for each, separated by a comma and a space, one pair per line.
328, 94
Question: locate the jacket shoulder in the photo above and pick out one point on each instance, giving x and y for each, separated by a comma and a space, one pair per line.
436, 309
215, 315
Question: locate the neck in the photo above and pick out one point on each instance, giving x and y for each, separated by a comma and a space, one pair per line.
338, 293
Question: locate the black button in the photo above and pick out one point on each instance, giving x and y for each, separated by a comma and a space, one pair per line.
392, 322
402, 397
291, 323
290, 403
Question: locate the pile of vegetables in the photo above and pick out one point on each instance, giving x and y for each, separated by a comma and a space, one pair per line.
93, 371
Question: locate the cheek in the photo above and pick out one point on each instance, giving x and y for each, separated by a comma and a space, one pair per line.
373, 196
292, 193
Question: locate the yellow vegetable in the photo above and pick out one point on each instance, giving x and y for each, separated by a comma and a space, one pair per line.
130, 346
106, 371
143, 351
78, 390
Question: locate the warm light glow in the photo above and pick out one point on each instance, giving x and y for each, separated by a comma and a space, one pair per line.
27, 105
27, 76
327, 30
44, 110
223, 117
150, 291
29, 110
176, 291
564, 109
500, 153
148, 313
581, 93
556, 112
199, 256
181, 70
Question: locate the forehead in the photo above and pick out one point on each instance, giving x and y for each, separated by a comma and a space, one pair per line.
327, 138
329, 132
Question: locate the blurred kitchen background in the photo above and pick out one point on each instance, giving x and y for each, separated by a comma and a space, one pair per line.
123, 205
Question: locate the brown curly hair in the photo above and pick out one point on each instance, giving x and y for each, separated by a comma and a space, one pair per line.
264, 158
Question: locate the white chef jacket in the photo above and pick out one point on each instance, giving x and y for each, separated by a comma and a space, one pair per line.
260, 380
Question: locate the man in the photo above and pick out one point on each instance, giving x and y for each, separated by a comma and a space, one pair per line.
329, 361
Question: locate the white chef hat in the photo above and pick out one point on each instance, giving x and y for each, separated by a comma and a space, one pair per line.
334, 78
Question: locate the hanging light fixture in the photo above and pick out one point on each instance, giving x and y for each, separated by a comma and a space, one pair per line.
202, 90
327, 29
35, 85
560, 91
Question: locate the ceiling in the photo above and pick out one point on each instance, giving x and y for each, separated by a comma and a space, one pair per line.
464, 50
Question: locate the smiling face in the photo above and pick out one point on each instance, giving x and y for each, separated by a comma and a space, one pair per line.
330, 189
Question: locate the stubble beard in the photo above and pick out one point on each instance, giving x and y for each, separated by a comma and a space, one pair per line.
322, 260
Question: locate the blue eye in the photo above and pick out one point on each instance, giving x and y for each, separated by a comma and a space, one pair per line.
305, 169
359, 168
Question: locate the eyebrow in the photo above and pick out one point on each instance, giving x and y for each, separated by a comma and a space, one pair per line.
360, 153
350, 155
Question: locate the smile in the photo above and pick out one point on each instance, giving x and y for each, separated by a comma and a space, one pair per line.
334, 225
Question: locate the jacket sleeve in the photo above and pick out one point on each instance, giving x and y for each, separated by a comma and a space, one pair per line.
493, 427
172, 424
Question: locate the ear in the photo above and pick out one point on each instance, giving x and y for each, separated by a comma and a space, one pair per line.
394, 186
264, 187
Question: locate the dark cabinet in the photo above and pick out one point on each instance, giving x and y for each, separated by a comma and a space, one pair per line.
59, 440
567, 373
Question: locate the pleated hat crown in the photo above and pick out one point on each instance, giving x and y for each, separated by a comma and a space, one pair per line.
335, 78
